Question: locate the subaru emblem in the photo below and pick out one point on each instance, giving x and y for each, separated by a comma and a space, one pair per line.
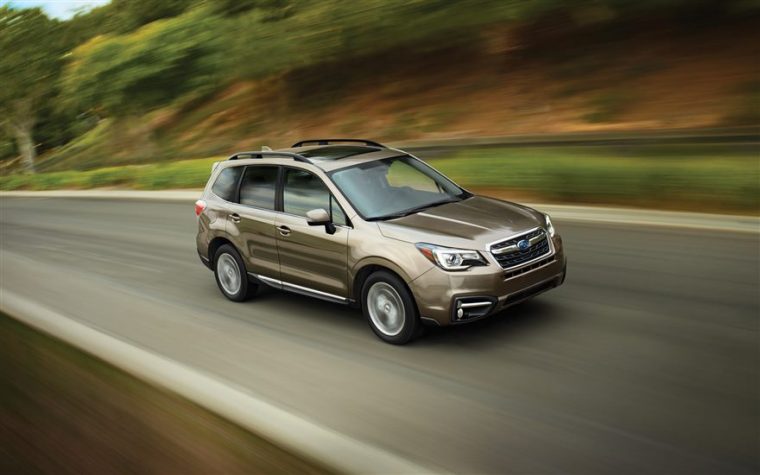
523, 244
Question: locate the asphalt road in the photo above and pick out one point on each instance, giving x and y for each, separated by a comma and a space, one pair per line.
647, 360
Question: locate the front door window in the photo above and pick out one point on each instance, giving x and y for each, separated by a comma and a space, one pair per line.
305, 191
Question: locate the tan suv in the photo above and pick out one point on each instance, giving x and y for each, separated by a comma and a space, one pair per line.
358, 223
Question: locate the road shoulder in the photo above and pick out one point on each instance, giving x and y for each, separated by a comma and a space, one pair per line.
275, 424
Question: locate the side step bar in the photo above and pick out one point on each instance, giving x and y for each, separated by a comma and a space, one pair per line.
299, 289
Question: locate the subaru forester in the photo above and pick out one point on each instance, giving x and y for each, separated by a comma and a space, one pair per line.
358, 223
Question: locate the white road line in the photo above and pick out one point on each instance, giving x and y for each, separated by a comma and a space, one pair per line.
646, 217
281, 427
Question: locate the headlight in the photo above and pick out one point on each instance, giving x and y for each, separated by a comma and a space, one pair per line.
451, 259
549, 226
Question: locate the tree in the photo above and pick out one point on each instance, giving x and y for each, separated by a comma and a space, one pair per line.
30, 60
128, 15
126, 75
273, 9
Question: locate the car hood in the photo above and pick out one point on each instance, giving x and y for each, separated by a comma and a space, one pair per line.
473, 223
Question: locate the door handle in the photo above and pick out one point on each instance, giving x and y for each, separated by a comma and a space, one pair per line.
284, 230
235, 218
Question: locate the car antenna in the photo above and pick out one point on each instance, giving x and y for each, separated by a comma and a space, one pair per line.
264, 148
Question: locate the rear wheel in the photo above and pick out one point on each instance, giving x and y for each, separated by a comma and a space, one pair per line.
389, 308
231, 276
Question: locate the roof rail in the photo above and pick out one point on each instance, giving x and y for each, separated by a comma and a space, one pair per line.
327, 142
266, 153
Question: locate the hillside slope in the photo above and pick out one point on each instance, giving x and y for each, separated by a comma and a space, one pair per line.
505, 81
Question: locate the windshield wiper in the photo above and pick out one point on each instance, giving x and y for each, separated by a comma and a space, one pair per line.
409, 211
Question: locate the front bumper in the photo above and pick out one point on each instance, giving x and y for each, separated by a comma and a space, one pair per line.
483, 291
205, 260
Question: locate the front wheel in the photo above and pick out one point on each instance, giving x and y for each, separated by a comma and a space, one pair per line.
231, 276
389, 308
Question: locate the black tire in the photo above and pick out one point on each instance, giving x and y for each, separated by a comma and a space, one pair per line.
409, 328
245, 289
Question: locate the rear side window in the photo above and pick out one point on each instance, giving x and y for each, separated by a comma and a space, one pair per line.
258, 186
226, 183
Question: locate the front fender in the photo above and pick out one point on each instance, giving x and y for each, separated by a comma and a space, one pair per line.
414, 265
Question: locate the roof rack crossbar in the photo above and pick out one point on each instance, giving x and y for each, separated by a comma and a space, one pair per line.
327, 142
265, 154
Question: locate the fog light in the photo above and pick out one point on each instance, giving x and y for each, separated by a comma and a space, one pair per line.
471, 307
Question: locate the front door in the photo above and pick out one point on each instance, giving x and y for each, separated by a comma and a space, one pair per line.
311, 259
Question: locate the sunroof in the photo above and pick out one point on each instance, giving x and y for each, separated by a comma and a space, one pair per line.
336, 152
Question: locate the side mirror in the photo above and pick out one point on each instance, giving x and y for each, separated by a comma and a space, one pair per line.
319, 217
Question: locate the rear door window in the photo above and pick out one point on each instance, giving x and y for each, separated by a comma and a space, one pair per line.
259, 186
226, 183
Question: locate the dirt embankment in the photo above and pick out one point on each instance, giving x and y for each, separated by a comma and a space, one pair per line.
502, 80
648, 75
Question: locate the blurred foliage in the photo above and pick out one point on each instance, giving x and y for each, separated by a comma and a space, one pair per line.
747, 109
90, 84
274, 9
139, 54
696, 177
128, 15
179, 174
712, 178
31, 49
607, 106
31, 54
127, 74
123, 16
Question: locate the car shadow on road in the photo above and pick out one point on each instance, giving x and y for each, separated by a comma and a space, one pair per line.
511, 323
514, 322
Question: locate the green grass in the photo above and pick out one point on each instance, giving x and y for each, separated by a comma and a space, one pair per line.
82, 152
179, 174
710, 178
695, 177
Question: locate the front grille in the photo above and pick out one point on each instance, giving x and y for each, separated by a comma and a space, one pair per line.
512, 256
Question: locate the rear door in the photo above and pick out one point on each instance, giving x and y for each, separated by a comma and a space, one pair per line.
311, 259
251, 221
219, 198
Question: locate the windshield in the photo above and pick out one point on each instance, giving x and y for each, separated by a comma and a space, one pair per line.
394, 187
